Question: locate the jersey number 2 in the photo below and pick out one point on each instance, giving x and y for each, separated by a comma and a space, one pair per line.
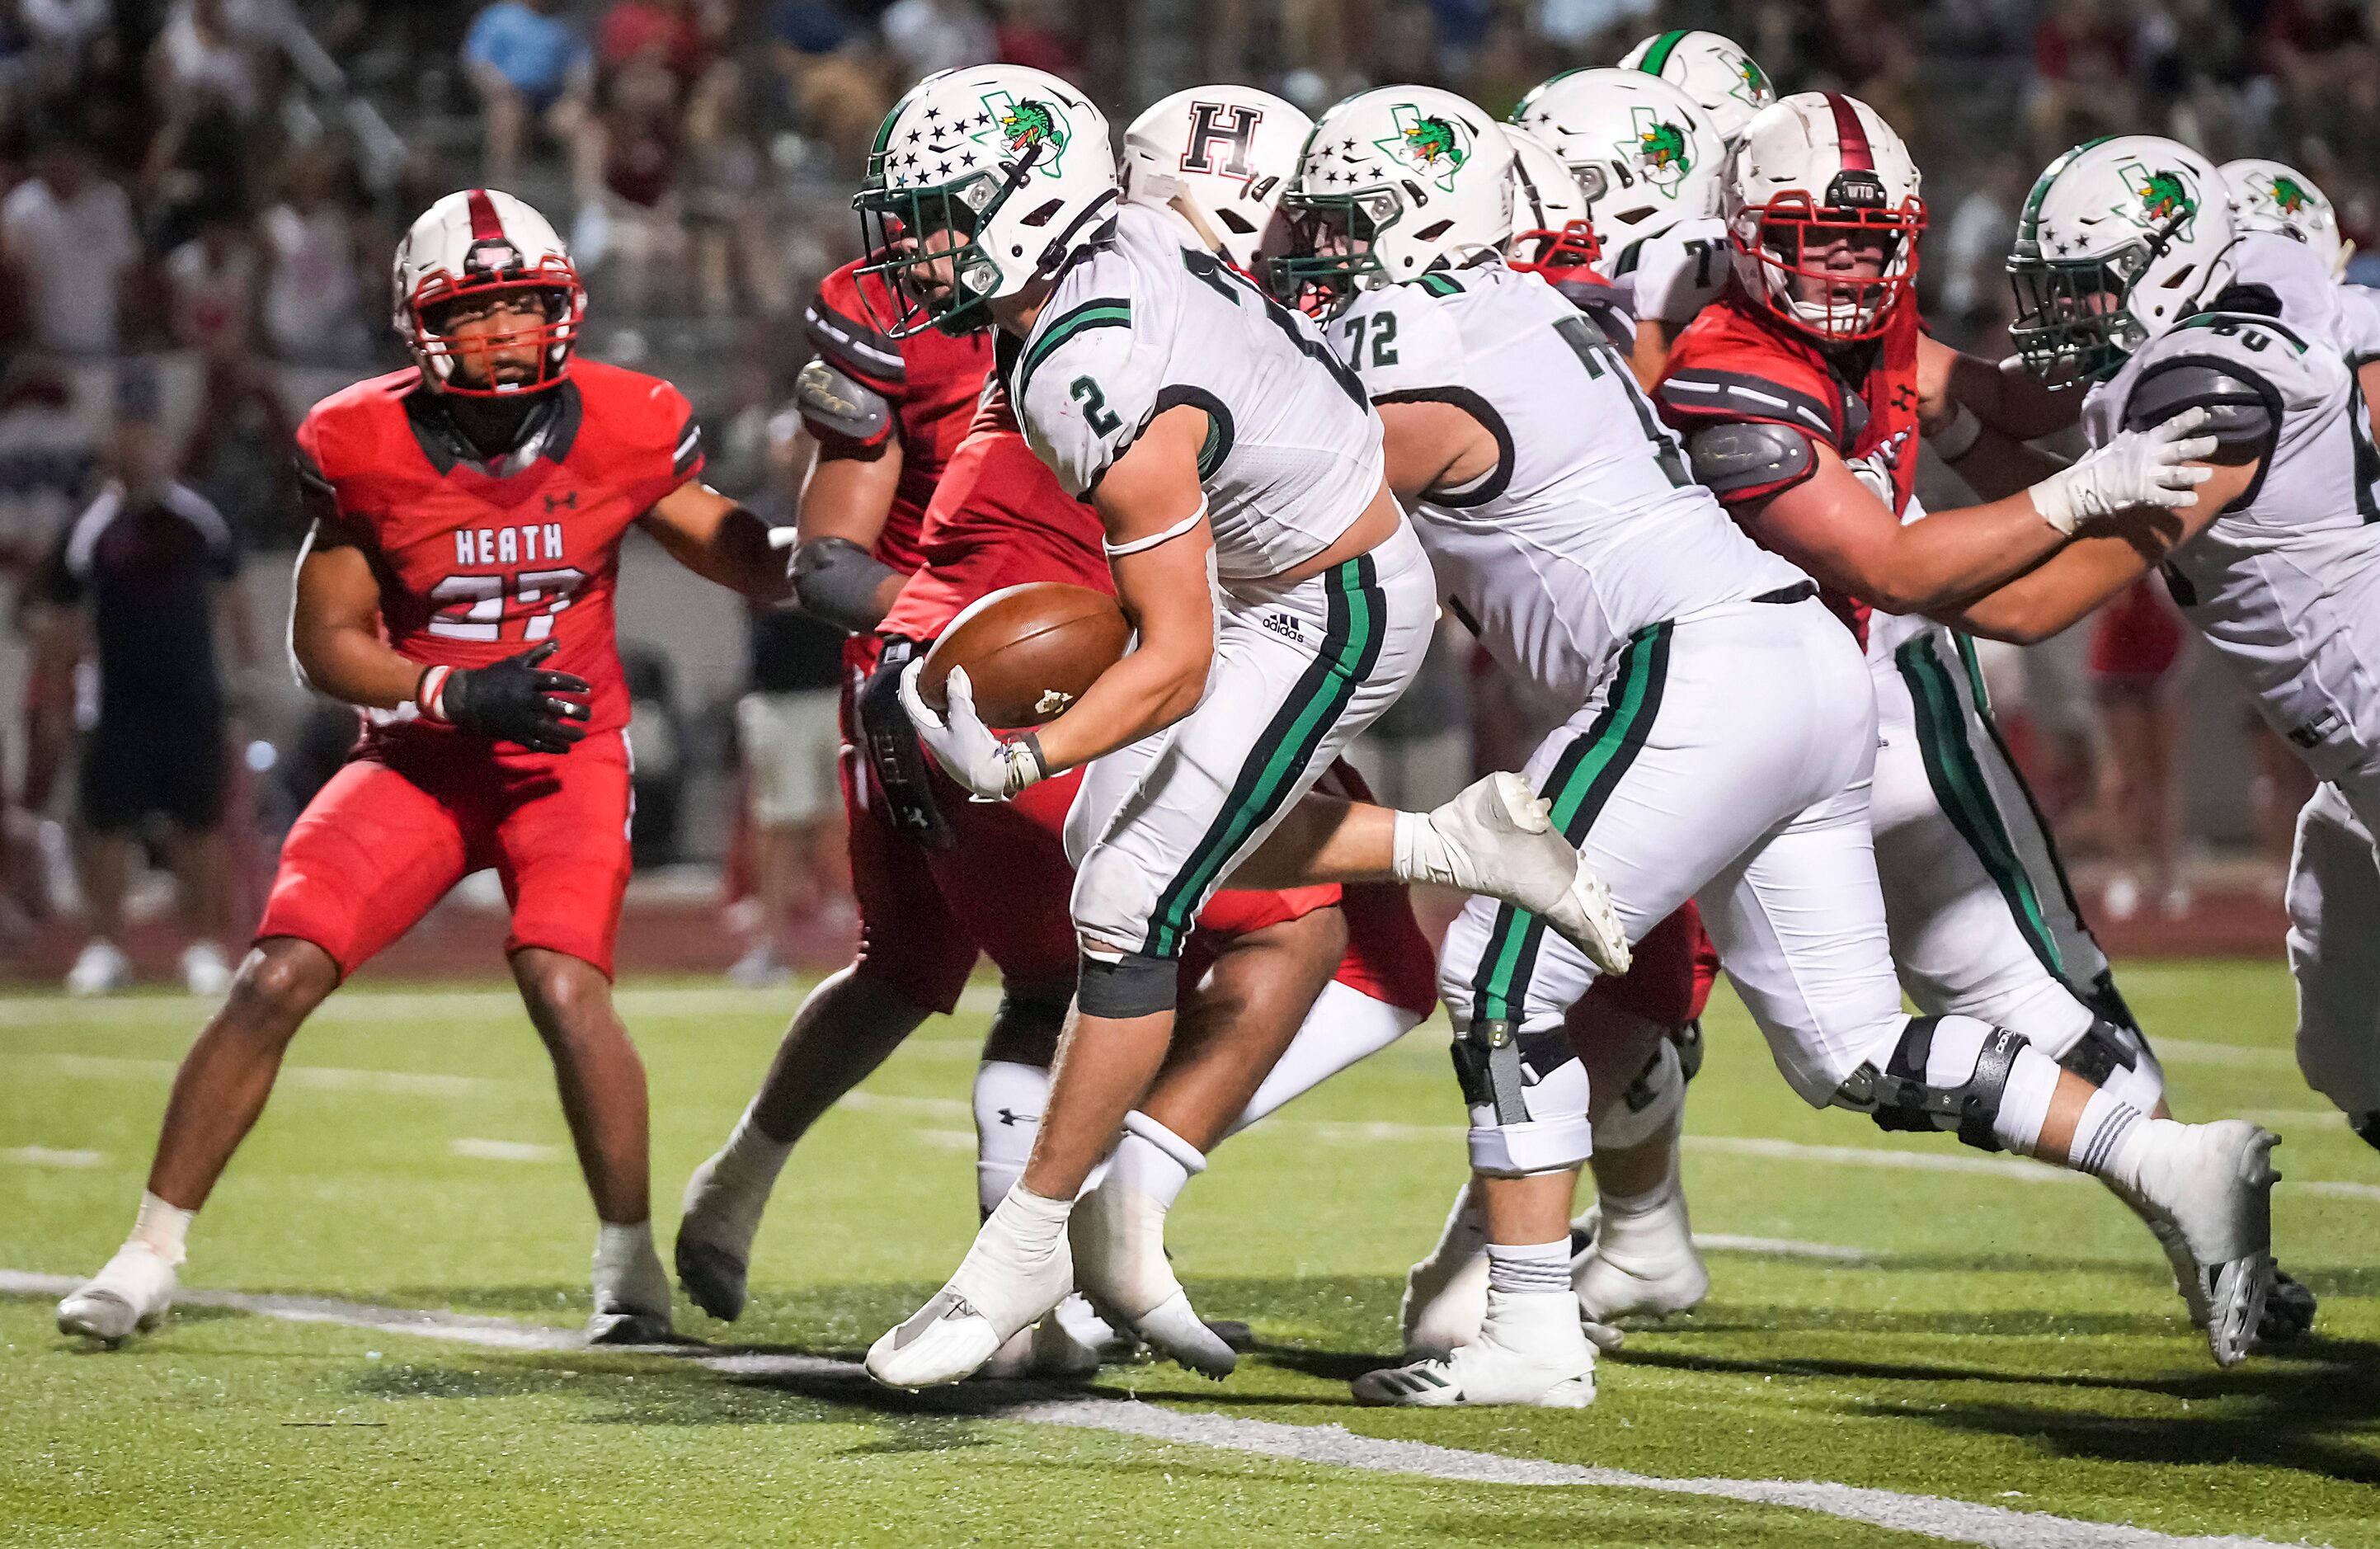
473, 607
1102, 419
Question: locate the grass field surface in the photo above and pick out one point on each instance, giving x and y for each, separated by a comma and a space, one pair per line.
1922, 1342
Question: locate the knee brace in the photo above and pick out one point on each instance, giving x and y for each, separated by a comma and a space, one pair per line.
1655, 1097
1527, 1095
1136, 984
2118, 1060
1904, 1096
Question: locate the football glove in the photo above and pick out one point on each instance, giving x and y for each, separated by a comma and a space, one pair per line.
515, 700
2135, 467
993, 768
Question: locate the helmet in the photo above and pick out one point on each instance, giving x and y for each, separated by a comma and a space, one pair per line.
478, 242
1814, 168
1010, 165
1400, 181
2273, 195
1221, 155
2118, 241
1723, 80
1648, 156
1549, 218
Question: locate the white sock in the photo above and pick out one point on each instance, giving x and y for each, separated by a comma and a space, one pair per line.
162, 1228
2110, 1140
1008, 1102
1034, 1226
2024, 1099
1154, 1161
1616, 1206
1528, 1268
1345, 1026
627, 1270
750, 1161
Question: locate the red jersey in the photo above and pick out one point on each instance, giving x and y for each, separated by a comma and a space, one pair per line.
1736, 363
930, 381
997, 518
478, 562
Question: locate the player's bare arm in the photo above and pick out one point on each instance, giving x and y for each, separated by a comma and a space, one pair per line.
2001, 394
720, 541
1433, 447
2062, 592
844, 502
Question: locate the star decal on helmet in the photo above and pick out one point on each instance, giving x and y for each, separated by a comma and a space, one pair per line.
1428, 144
2165, 197
1659, 147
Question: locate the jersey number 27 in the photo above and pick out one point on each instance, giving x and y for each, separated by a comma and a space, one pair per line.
477, 607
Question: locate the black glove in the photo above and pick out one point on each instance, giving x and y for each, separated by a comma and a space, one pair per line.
512, 701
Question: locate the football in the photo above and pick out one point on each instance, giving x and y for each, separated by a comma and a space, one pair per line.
1031, 651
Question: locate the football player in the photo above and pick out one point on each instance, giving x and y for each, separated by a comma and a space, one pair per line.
1720, 748
1216, 437
1724, 80
458, 586
2132, 276
1335, 979
1802, 393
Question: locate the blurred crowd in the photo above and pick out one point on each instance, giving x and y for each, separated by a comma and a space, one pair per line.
213, 187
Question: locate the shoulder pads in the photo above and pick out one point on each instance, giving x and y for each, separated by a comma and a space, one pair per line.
834, 402
2243, 411
1743, 458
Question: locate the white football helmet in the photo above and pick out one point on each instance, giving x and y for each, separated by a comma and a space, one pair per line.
1221, 155
1728, 83
1815, 170
1550, 227
980, 179
474, 243
2120, 240
1645, 152
1394, 182
2274, 196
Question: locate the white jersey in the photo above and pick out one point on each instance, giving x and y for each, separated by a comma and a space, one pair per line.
2359, 324
1147, 320
2284, 583
1589, 527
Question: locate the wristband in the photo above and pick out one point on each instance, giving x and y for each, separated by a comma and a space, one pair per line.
430, 694
1958, 438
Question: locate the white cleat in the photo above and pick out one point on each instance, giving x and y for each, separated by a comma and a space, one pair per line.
1120, 1261
999, 1289
715, 1228
1531, 1350
1446, 1294
130, 1295
632, 1297
1505, 845
101, 969
204, 971
1640, 1263
2213, 1183
1067, 1344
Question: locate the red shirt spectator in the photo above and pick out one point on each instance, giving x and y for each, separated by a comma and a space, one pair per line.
673, 28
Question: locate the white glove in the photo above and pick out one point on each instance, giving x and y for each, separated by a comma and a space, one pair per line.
994, 768
1680, 271
1875, 473
2136, 467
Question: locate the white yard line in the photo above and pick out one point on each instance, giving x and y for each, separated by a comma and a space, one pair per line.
323, 1078
421, 1006
506, 1150
44, 1156
1785, 1248
1328, 1445
1945, 1160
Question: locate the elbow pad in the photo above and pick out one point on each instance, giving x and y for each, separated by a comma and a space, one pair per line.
1745, 459
836, 579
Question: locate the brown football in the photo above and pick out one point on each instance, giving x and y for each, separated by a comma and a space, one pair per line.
1031, 651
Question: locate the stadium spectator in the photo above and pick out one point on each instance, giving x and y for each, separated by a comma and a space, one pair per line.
1039, 33
833, 88
146, 578
528, 64
2082, 82
786, 725
213, 56
929, 35
629, 205
683, 34
314, 289
732, 204
2140, 665
69, 249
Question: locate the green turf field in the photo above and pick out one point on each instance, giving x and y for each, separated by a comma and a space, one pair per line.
2010, 1341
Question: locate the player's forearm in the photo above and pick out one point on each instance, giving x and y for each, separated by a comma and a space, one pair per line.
2054, 596
2007, 401
1142, 694
1955, 554
736, 553
1997, 465
354, 664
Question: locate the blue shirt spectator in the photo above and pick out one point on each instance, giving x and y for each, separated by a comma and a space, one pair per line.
533, 50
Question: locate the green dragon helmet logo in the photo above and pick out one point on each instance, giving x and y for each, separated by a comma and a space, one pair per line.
1019, 124
1752, 80
1433, 146
2290, 196
1660, 148
2165, 197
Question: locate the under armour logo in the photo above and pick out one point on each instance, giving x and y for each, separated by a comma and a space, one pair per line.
568, 500
1010, 1118
1903, 395
1235, 135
